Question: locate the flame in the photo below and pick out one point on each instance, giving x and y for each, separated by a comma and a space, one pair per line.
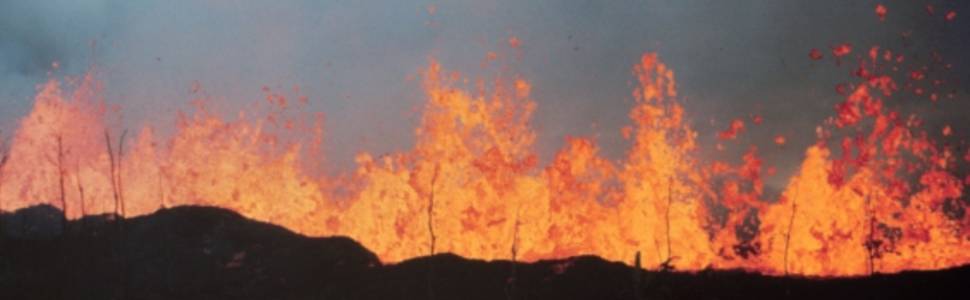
887, 200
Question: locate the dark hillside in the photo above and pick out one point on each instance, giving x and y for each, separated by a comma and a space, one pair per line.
211, 253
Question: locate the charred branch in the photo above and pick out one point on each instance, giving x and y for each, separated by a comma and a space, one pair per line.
434, 179
115, 169
510, 288
668, 263
3, 163
121, 154
60, 183
111, 164
80, 193
870, 244
791, 222
161, 188
116, 187
637, 277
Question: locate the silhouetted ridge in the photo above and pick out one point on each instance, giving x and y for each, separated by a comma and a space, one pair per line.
35, 222
182, 252
195, 252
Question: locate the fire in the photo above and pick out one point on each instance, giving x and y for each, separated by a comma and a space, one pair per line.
886, 199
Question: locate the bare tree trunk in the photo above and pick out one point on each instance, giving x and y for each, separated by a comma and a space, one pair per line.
111, 164
161, 188
116, 187
515, 236
63, 198
637, 277
510, 292
121, 155
667, 265
434, 179
60, 184
3, 163
119, 204
80, 193
870, 240
791, 222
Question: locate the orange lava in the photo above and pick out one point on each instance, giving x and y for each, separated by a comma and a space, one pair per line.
472, 185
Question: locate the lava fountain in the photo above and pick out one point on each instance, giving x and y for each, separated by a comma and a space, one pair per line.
876, 193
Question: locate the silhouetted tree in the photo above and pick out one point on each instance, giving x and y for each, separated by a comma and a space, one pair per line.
510, 289
3, 163
116, 187
670, 200
871, 244
115, 169
60, 183
637, 277
161, 186
121, 155
791, 222
668, 264
434, 179
80, 192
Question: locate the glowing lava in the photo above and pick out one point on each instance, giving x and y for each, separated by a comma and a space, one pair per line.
886, 200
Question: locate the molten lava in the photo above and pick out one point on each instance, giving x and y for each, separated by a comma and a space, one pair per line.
886, 199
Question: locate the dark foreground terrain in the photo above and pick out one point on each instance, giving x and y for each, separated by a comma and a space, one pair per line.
210, 253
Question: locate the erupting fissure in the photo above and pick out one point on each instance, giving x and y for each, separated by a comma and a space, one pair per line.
888, 199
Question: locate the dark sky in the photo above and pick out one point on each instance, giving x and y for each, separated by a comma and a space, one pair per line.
356, 60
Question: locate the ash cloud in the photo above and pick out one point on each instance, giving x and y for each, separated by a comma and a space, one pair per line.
356, 60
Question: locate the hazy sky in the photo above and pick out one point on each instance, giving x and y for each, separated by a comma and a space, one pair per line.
357, 60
